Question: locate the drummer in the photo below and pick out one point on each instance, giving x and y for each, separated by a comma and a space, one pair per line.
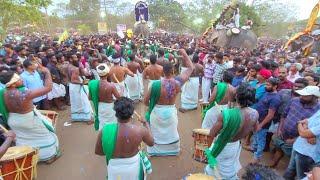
237, 123
6, 139
30, 126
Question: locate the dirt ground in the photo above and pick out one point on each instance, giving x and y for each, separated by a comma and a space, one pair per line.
78, 161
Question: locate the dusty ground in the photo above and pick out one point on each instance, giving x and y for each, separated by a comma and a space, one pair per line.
78, 161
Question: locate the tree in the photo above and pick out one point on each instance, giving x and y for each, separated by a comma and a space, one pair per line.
21, 12
167, 14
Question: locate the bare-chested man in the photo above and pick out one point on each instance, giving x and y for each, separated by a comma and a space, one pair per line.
223, 94
231, 126
133, 83
154, 71
162, 112
102, 92
80, 105
161, 59
120, 142
190, 91
29, 125
118, 74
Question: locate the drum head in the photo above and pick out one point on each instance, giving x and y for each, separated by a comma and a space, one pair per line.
235, 30
202, 131
199, 177
16, 152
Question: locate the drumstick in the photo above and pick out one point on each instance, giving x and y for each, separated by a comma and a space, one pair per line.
3, 128
115, 77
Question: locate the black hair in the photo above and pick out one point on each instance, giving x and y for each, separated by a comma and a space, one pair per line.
316, 78
219, 55
167, 68
153, 59
257, 67
27, 63
237, 60
189, 51
227, 77
161, 52
195, 58
132, 57
258, 171
303, 81
124, 108
240, 69
5, 76
266, 64
273, 81
245, 95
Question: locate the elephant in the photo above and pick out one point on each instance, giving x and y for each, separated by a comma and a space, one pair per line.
141, 29
304, 42
222, 38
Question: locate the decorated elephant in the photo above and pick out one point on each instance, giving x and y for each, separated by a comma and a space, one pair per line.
229, 38
141, 29
306, 43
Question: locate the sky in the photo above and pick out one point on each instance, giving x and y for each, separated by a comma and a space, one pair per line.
303, 11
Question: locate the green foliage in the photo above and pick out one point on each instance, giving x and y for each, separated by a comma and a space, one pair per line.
168, 15
84, 29
19, 12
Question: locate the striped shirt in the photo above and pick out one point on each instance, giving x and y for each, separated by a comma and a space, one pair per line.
218, 72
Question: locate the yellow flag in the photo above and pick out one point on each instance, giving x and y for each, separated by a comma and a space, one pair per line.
63, 36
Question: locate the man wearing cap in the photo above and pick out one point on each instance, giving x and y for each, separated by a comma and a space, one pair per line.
30, 126
117, 75
262, 76
304, 150
101, 92
266, 107
297, 109
133, 83
294, 72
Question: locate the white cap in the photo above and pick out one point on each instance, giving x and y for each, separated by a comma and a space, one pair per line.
309, 90
103, 69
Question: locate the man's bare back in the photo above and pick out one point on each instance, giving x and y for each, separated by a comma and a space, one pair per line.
134, 67
119, 72
153, 72
106, 92
229, 96
198, 70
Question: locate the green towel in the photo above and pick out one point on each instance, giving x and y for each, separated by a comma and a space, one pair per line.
3, 109
94, 95
231, 125
109, 139
154, 97
221, 92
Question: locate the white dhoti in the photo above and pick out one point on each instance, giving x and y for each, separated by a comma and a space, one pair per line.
133, 85
140, 77
189, 94
106, 114
122, 89
206, 89
80, 105
164, 128
228, 163
124, 168
30, 130
211, 116
58, 90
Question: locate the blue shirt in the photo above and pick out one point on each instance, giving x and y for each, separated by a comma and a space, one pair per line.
236, 81
2, 86
33, 81
260, 91
302, 146
271, 100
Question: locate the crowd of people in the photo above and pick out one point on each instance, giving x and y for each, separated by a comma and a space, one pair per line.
267, 98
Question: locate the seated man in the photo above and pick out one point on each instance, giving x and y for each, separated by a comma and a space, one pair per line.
120, 142
29, 125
